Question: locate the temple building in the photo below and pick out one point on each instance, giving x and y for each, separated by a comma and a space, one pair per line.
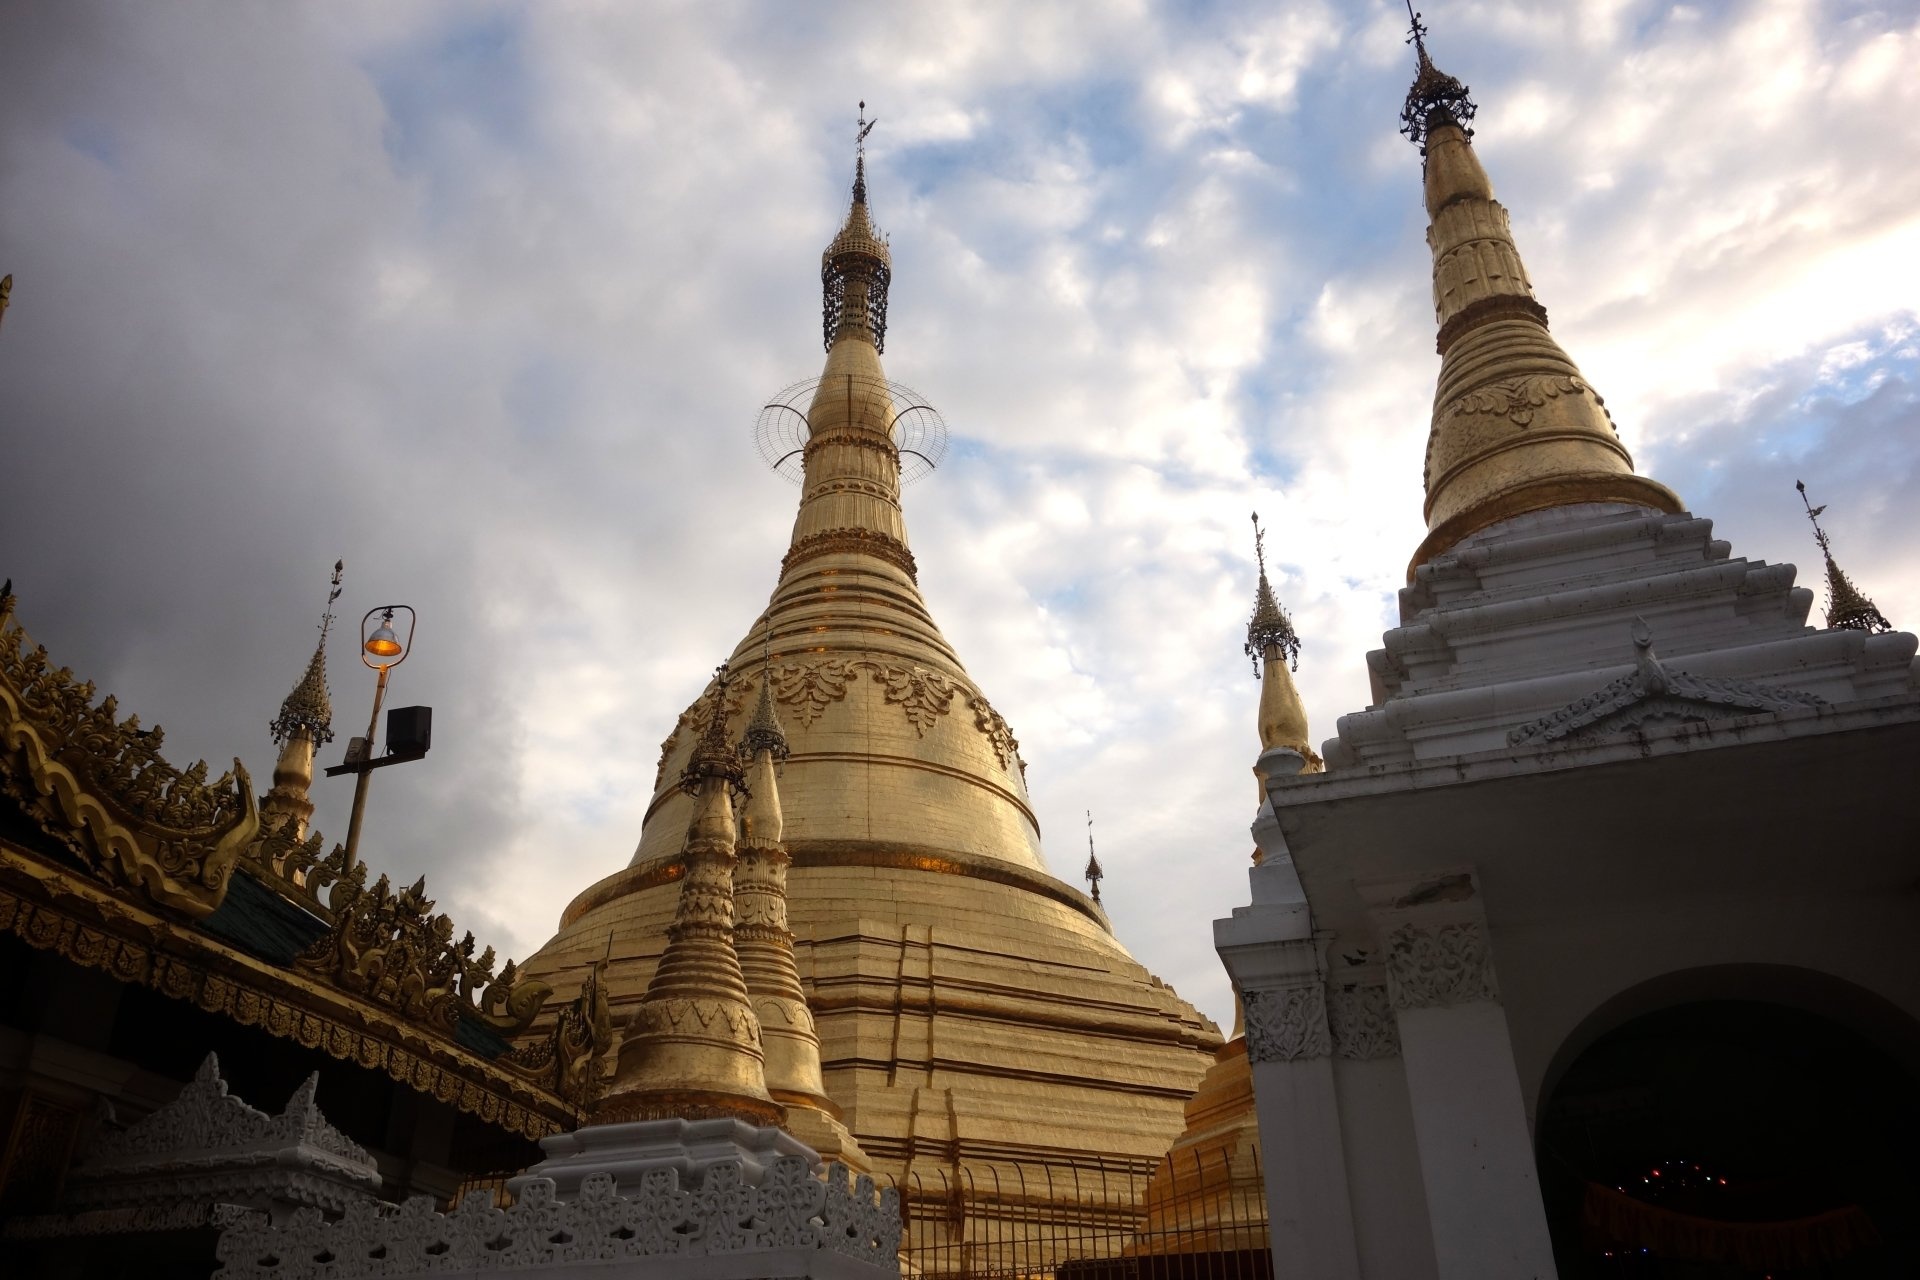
1592, 950
179, 957
979, 1026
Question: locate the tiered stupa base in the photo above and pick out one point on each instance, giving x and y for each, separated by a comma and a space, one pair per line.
966, 1024
689, 1147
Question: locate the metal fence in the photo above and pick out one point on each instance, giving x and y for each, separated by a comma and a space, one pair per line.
1194, 1215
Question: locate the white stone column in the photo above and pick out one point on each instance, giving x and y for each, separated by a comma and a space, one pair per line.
1469, 1118
1289, 1049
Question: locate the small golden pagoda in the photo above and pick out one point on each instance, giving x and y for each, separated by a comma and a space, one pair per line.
1210, 1195
304, 725
1515, 426
692, 1049
975, 1016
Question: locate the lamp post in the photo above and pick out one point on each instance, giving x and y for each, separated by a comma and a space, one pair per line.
382, 650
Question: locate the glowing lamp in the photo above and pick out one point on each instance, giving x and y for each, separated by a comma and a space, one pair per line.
383, 643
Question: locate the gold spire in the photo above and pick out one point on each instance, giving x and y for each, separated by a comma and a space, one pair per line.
1270, 634
857, 266
764, 733
764, 942
850, 500
1847, 605
1275, 650
1515, 427
693, 1049
305, 723
1094, 875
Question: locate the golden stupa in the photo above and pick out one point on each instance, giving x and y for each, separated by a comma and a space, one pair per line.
978, 1022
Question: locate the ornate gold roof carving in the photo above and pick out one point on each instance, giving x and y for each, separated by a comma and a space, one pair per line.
386, 983
390, 948
99, 785
52, 911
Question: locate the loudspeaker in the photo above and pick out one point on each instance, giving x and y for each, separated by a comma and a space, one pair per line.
409, 731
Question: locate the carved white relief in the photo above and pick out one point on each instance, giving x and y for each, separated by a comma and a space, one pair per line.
1287, 1024
1362, 1022
204, 1123
1439, 965
1654, 693
208, 1147
721, 1214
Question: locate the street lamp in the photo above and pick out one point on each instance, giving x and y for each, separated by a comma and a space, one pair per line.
381, 649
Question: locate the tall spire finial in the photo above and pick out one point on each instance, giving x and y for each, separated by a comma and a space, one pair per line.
1847, 605
764, 731
304, 723
712, 758
308, 707
1094, 874
1269, 627
857, 266
861, 130
1436, 98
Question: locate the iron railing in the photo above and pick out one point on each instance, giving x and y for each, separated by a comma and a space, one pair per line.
1193, 1215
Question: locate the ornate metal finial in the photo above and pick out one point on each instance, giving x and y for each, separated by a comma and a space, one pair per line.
1269, 626
1436, 98
309, 708
861, 130
764, 731
857, 267
1847, 605
1094, 874
712, 756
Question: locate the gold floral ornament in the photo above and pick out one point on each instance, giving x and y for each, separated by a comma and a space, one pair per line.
924, 695
999, 736
811, 688
99, 785
1518, 398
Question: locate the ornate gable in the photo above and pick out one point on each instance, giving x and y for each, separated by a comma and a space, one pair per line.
1653, 693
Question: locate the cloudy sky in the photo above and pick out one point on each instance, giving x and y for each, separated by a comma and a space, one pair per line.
484, 298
